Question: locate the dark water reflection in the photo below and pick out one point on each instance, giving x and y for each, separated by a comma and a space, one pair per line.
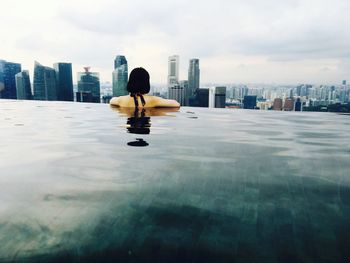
139, 121
227, 186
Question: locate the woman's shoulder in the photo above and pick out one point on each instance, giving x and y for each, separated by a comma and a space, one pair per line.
155, 101
120, 101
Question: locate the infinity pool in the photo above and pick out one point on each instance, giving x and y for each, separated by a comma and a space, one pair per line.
90, 183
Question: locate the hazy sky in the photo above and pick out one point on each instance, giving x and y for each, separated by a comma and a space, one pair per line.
238, 41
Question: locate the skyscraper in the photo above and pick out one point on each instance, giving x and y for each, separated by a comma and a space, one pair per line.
8, 70
50, 84
64, 81
119, 61
249, 102
193, 78
184, 85
277, 104
45, 84
202, 97
23, 87
120, 76
220, 97
173, 70
217, 97
89, 82
39, 82
288, 104
298, 105
177, 92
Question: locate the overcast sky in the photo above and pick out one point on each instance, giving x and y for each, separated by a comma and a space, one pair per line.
237, 41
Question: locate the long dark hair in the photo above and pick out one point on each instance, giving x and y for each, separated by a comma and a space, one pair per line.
138, 81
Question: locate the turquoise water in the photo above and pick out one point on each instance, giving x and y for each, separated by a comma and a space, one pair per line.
89, 183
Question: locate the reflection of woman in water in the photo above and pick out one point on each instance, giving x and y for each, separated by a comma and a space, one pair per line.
138, 87
139, 123
139, 120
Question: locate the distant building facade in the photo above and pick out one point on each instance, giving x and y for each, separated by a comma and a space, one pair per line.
220, 97
120, 76
202, 98
173, 70
23, 87
249, 102
184, 85
298, 105
8, 70
193, 79
288, 104
89, 82
44, 83
177, 92
277, 104
64, 80
217, 97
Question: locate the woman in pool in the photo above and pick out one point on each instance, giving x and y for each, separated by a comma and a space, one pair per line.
138, 87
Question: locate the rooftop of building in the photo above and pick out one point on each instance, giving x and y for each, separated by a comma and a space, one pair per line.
209, 185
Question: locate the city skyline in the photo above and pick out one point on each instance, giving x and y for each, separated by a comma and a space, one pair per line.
55, 84
286, 42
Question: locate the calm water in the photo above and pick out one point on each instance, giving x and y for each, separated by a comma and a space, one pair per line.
88, 183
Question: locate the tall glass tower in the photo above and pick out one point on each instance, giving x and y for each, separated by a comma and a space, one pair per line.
45, 85
89, 83
64, 81
120, 76
50, 84
173, 70
39, 82
23, 87
193, 78
8, 70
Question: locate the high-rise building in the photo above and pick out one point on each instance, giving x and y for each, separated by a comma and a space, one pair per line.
220, 97
217, 97
89, 82
64, 81
39, 82
249, 102
288, 104
23, 87
8, 70
277, 104
173, 70
184, 85
44, 83
177, 92
50, 84
298, 105
120, 76
193, 78
344, 82
119, 61
202, 97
